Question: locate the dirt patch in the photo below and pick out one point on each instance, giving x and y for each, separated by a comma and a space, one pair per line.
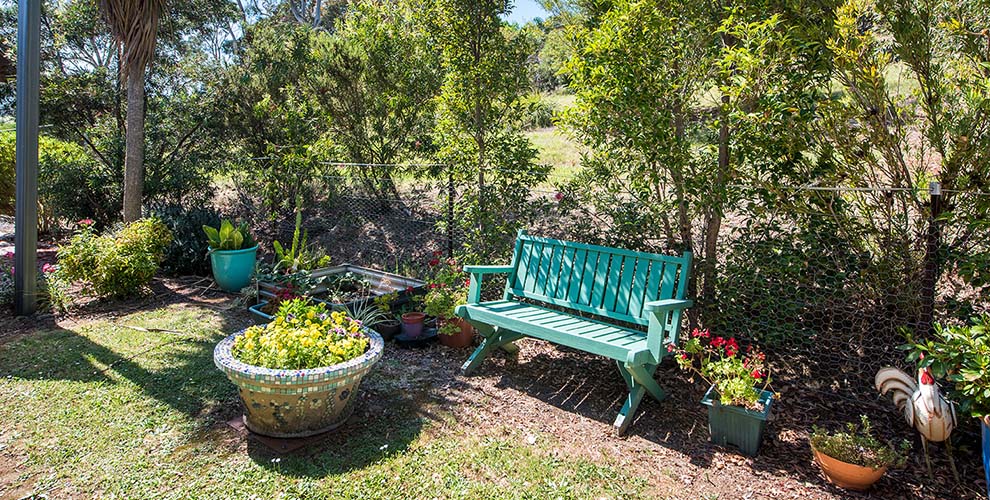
569, 398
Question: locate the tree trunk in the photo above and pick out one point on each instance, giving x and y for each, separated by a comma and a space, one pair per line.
134, 149
714, 225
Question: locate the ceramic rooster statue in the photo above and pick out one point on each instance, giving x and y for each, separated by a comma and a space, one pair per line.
923, 405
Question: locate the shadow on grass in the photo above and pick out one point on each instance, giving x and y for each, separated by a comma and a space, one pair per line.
179, 372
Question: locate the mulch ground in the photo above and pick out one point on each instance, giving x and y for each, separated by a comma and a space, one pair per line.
545, 393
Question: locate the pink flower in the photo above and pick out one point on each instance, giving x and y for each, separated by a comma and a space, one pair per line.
86, 222
47, 268
670, 347
559, 196
9, 255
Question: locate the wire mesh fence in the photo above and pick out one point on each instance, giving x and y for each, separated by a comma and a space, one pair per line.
829, 281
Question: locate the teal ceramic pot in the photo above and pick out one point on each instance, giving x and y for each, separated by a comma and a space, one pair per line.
735, 425
232, 269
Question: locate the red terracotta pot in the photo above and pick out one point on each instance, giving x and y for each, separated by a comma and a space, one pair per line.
460, 339
412, 324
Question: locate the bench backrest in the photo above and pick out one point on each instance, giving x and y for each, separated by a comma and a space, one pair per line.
609, 282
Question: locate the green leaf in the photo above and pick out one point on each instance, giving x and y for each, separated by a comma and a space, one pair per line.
212, 235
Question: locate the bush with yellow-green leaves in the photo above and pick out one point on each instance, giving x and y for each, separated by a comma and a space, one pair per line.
302, 336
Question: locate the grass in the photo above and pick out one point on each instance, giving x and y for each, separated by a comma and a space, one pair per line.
558, 150
105, 410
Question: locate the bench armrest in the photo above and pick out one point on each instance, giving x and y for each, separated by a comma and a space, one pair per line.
488, 269
665, 324
659, 306
477, 273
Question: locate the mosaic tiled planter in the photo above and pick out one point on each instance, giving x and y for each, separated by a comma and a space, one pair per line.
297, 403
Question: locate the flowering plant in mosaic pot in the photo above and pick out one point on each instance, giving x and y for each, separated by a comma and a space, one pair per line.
738, 398
299, 374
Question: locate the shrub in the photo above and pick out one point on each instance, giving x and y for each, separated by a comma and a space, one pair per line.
857, 446
302, 336
74, 184
187, 255
115, 264
960, 354
6, 280
448, 289
538, 112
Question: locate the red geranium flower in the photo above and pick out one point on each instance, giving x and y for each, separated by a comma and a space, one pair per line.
559, 196
670, 347
434, 262
718, 342
756, 374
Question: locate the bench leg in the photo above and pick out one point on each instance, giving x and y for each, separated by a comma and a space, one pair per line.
628, 411
498, 338
643, 375
639, 380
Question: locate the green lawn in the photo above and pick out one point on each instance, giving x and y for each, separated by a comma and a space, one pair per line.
558, 150
99, 409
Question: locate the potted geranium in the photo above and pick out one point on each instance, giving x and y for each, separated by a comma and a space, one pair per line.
233, 253
299, 375
447, 290
854, 459
961, 355
737, 398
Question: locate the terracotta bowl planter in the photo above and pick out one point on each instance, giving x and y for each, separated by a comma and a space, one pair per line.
846, 475
297, 403
461, 339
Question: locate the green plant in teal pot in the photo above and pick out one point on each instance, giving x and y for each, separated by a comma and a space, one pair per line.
233, 253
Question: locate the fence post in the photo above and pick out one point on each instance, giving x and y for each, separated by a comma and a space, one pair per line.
450, 211
932, 238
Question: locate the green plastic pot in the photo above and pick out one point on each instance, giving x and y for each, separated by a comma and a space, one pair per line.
735, 425
232, 269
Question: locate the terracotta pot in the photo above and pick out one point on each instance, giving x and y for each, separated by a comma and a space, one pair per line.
846, 475
460, 339
296, 403
412, 324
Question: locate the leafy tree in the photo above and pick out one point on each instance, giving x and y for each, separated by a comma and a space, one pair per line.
678, 102
932, 129
271, 119
479, 109
377, 77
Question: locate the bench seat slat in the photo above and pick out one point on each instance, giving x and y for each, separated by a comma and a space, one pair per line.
579, 333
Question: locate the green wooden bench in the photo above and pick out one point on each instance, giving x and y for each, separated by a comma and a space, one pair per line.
587, 285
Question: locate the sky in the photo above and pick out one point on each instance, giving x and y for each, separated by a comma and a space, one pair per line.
525, 10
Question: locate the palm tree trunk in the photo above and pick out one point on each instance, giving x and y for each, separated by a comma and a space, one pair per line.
134, 149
